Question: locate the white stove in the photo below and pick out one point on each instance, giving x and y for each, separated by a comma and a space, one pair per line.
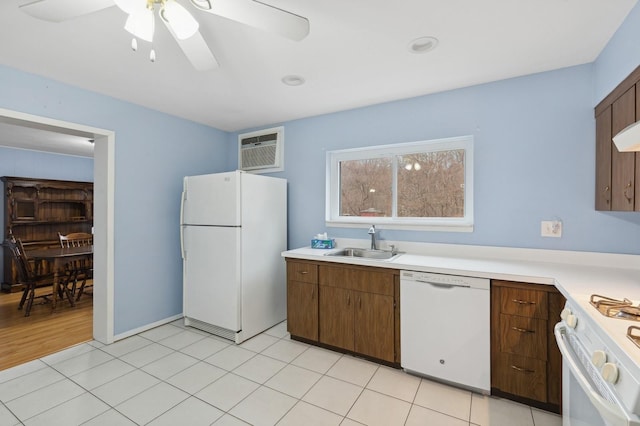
601, 365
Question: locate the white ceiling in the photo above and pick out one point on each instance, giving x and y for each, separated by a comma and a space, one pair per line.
32, 136
355, 55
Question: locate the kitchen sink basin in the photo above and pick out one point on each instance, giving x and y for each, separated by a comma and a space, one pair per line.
364, 253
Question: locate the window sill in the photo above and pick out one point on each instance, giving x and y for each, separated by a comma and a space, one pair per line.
403, 226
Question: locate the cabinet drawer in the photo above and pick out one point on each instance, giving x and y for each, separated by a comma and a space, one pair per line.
302, 272
523, 302
526, 377
523, 336
370, 281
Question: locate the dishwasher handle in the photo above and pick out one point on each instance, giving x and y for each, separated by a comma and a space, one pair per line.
443, 285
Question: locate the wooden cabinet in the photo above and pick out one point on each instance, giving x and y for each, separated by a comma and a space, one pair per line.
336, 322
356, 309
617, 173
526, 364
302, 299
359, 303
35, 210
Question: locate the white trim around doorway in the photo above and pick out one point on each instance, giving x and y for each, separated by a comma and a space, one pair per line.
104, 190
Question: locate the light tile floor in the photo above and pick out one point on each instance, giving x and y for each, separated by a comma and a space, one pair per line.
176, 375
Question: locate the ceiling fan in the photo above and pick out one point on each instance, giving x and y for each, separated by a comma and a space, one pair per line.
180, 23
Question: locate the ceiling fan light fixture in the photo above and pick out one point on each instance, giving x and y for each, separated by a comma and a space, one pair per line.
182, 23
423, 44
141, 25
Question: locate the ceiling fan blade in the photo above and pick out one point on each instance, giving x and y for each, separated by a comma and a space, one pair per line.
258, 15
62, 10
196, 50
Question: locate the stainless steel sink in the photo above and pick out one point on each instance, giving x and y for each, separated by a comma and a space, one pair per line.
364, 253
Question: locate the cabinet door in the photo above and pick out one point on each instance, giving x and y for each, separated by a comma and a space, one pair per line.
374, 325
603, 160
336, 320
302, 309
623, 163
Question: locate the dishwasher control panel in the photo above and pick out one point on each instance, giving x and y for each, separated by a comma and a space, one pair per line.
454, 280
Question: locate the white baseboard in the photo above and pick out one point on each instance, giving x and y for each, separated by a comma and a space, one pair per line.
145, 327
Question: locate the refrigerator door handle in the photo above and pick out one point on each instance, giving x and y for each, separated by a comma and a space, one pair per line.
184, 253
182, 197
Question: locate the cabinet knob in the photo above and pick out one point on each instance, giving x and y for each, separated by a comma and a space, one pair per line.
522, 370
523, 302
303, 272
629, 197
522, 330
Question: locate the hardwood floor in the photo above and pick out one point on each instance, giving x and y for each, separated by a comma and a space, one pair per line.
43, 332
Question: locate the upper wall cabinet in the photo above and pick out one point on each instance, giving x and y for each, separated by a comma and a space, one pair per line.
617, 173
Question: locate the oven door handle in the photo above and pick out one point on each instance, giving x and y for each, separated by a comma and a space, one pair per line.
610, 412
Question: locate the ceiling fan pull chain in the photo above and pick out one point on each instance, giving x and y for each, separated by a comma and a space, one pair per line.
152, 55
134, 44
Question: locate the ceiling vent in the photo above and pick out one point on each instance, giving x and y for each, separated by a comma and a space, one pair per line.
261, 151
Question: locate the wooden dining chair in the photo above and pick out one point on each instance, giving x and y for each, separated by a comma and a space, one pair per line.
79, 270
30, 281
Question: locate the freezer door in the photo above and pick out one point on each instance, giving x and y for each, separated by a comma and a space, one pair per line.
211, 200
212, 282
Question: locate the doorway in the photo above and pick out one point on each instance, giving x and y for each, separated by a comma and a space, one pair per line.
103, 174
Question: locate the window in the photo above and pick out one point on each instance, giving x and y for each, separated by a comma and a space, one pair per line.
425, 185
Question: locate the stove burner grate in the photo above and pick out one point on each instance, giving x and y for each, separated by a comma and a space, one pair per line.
633, 337
615, 308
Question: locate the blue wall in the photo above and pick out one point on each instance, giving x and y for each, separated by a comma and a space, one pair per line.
534, 156
153, 151
619, 58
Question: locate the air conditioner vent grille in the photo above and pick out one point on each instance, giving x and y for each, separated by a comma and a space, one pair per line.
259, 139
261, 151
258, 156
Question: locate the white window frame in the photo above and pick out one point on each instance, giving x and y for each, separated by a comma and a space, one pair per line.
332, 202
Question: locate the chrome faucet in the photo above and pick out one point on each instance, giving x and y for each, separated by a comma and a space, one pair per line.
372, 232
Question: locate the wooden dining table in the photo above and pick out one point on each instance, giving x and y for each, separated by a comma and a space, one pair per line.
58, 257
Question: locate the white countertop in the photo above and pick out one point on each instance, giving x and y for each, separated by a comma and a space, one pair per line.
576, 275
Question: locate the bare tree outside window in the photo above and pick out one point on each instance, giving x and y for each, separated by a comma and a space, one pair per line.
431, 184
365, 187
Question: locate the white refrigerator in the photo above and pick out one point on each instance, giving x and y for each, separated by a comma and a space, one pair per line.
233, 228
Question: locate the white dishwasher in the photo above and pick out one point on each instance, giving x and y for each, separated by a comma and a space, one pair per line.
445, 322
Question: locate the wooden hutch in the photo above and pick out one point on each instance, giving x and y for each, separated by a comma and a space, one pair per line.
35, 210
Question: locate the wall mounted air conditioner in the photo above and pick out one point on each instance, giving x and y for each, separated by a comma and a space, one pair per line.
261, 151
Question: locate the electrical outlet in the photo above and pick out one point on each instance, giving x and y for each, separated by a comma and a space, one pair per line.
551, 228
